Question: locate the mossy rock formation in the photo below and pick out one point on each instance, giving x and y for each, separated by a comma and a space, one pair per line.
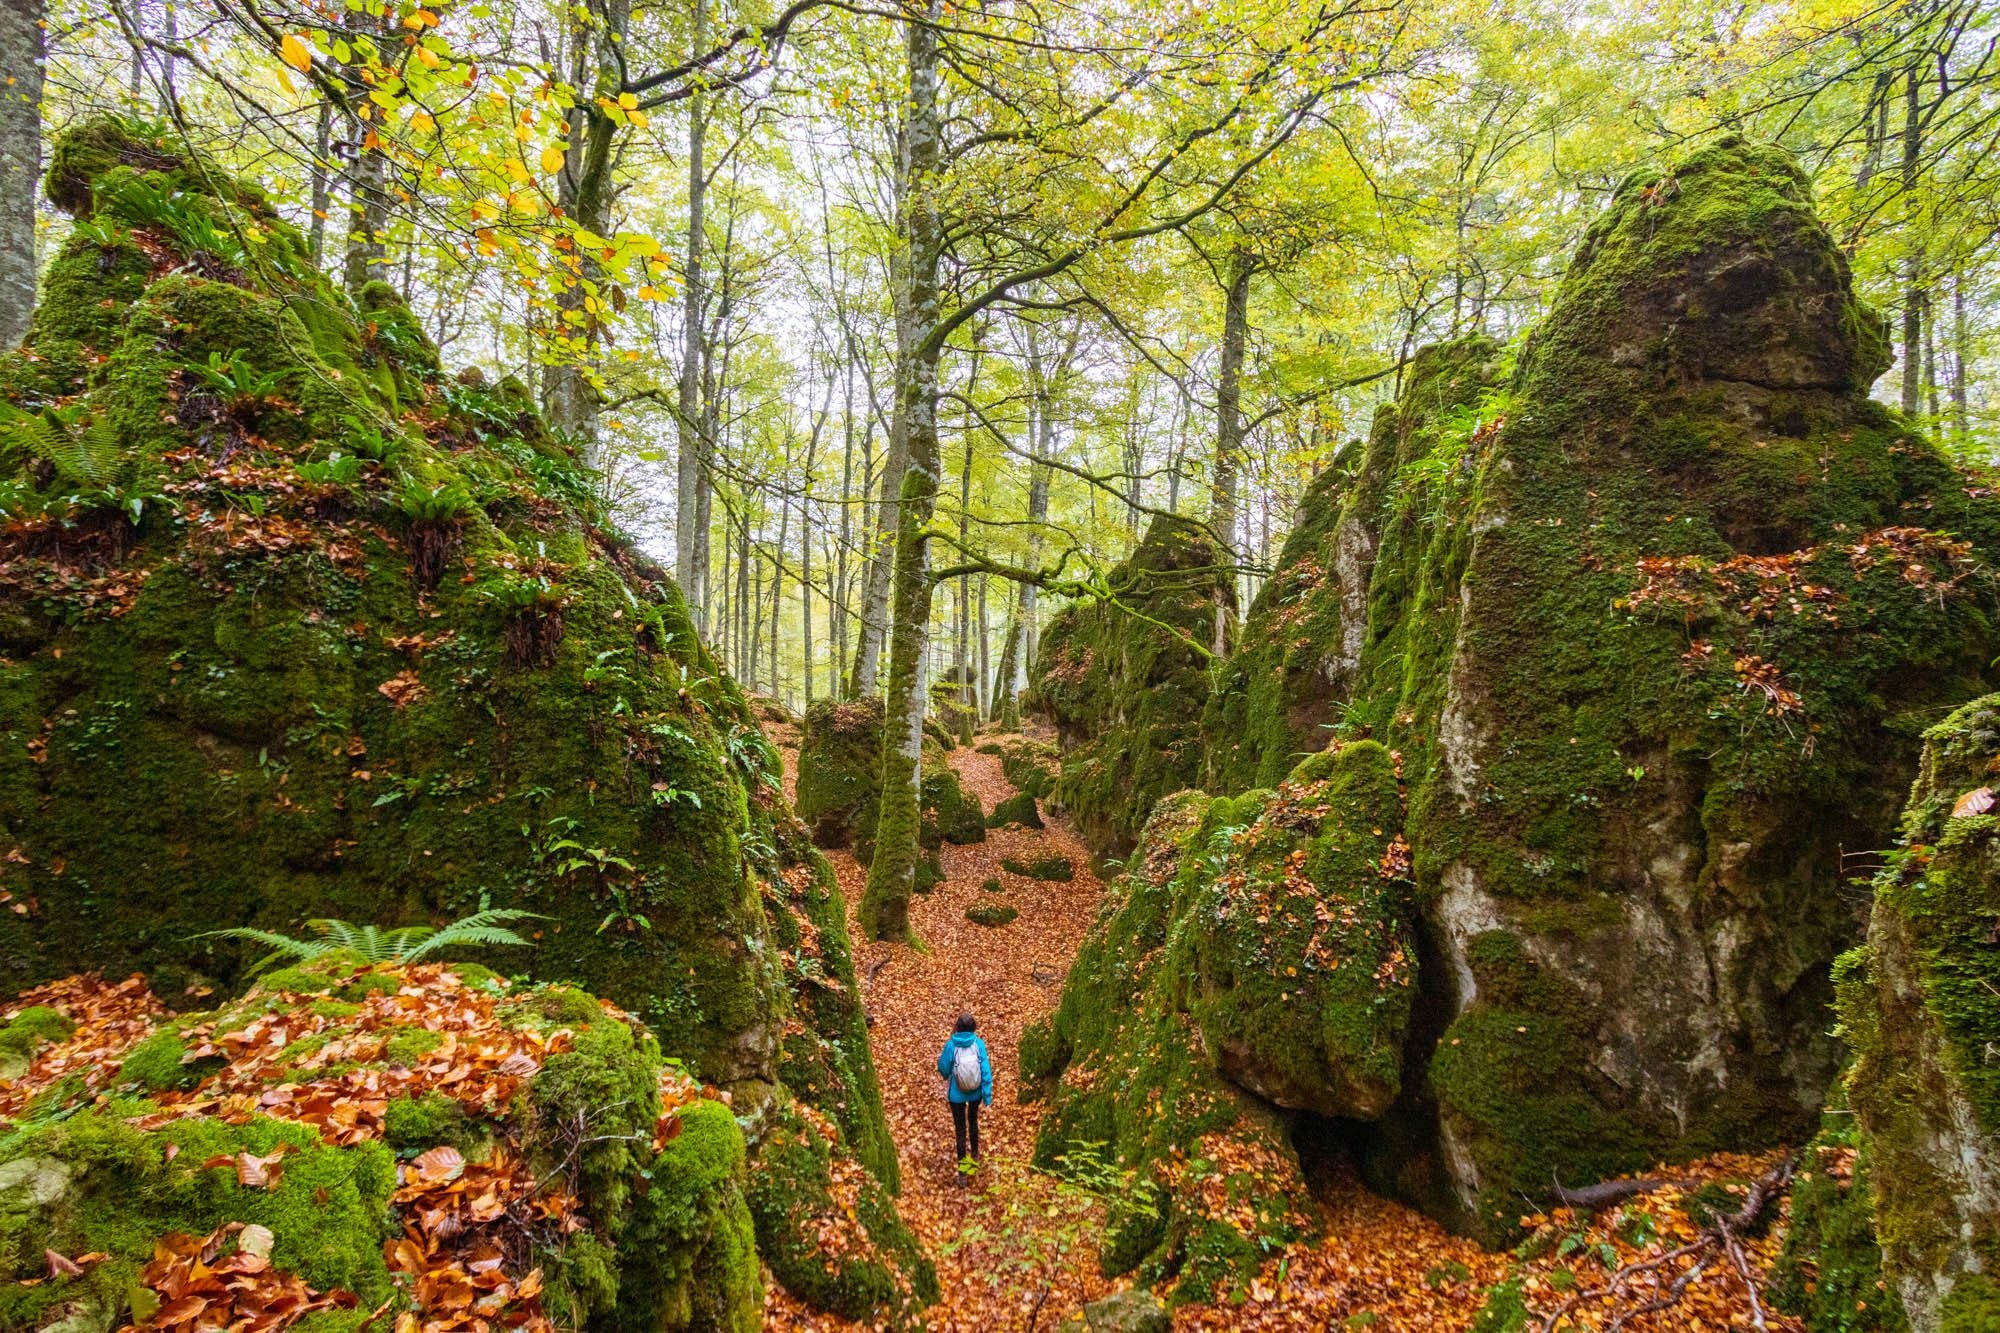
1653, 622
290, 626
1267, 938
1124, 679
286, 1111
1214, 1186
840, 787
1918, 1005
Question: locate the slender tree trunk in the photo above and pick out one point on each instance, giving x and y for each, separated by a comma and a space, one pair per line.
836, 610
884, 534
1229, 432
806, 592
322, 182
367, 174
689, 456
744, 603
1913, 263
885, 903
22, 53
1007, 684
985, 653
1961, 340
778, 590
585, 193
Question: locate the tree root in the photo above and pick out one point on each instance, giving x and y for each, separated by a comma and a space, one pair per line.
1717, 1243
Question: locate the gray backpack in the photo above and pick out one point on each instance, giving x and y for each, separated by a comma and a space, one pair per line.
965, 1069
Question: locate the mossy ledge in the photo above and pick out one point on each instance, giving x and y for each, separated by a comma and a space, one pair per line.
293, 626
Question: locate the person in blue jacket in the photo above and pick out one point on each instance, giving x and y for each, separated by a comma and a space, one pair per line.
956, 1070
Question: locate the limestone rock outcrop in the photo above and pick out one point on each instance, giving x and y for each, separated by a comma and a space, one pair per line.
1651, 611
293, 626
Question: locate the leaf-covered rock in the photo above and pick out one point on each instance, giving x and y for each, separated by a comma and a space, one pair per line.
533, 1154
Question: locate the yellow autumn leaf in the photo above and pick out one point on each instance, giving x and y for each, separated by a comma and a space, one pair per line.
428, 57
552, 159
295, 52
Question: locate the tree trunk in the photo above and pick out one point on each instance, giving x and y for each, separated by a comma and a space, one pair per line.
22, 52
1222, 504
1913, 265
884, 534
367, 175
690, 458
885, 903
322, 182
585, 193
778, 591
836, 611
1961, 342
985, 653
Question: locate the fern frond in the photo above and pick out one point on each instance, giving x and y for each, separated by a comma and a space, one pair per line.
89, 457
450, 936
271, 939
338, 934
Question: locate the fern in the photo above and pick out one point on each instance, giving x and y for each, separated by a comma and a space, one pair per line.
372, 945
86, 457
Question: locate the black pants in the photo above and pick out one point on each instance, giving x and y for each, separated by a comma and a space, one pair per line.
964, 1121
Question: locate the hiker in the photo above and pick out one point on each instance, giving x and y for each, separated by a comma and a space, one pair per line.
968, 1084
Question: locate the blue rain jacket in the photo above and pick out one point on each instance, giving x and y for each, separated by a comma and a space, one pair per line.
950, 1052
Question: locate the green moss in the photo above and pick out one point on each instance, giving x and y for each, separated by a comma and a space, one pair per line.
1505, 1309
328, 1212
32, 1027
1031, 765
1130, 1086
1019, 808
1829, 1273
1124, 679
408, 1046
412, 1124
991, 914
873, 1264
1044, 867
221, 749
159, 1064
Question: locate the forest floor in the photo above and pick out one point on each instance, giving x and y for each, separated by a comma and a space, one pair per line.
1016, 1250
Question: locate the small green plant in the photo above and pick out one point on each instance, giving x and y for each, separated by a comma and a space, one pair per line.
151, 202
84, 453
433, 503
624, 913
371, 944
233, 379
337, 469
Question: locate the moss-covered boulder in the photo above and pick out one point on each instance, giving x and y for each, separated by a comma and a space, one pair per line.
1123, 678
1300, 649
1679, 606
1258, 943
534, 1148
840, 788
1918, 1003
1020, 808
1031, 765
291, 626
